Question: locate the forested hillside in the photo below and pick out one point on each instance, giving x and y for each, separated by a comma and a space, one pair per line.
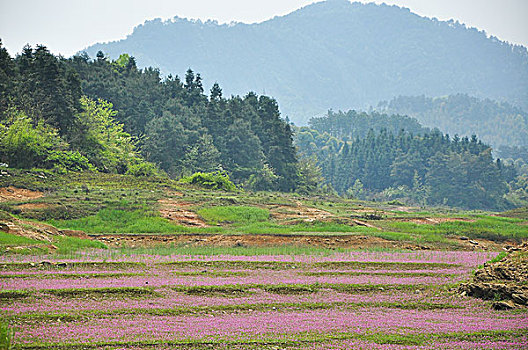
499, 124
334, 54
111, 116
423, 168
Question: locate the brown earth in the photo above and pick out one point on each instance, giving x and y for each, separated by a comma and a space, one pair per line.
254, 240
29, 229
33, 206
504, 281
298, 211
175, 211
18, 194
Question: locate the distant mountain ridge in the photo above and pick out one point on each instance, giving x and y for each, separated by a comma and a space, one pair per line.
334, 54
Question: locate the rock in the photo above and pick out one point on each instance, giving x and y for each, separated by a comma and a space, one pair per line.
521, 299
503, 305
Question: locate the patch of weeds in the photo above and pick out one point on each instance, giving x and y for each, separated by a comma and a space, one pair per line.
224, 290
234, 214
291, 288
484, 227
6, 294
67, 245
119, 221
235, 251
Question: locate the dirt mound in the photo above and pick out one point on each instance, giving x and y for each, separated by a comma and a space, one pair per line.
17, 194
504, 281
175, 211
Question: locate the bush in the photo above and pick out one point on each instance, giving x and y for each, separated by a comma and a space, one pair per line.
213, 181
142, 169
69, 160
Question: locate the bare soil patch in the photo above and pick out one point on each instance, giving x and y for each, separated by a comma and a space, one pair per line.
298, 212
29, 229
175, 211
33, 206
18, 194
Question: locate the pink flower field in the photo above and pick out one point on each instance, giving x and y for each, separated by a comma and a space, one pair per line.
356, 300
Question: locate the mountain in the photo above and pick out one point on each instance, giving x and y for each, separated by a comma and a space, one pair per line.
499, 124
334, 54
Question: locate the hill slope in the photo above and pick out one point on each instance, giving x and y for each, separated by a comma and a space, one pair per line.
334, 54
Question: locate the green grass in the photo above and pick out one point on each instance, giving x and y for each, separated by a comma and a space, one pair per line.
485, 227
11, 239
119, 221
498, 258
67, 245
234, 214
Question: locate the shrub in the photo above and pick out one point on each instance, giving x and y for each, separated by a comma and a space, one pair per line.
142, 169
69, 160
213, 181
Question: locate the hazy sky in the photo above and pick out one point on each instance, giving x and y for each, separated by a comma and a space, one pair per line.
67, 26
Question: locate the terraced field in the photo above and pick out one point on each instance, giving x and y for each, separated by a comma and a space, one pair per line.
341, 300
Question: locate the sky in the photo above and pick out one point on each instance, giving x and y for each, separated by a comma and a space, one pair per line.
68, 26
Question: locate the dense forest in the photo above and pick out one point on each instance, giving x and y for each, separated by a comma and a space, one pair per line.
80, 113
335, 54
497, 123
424, 167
